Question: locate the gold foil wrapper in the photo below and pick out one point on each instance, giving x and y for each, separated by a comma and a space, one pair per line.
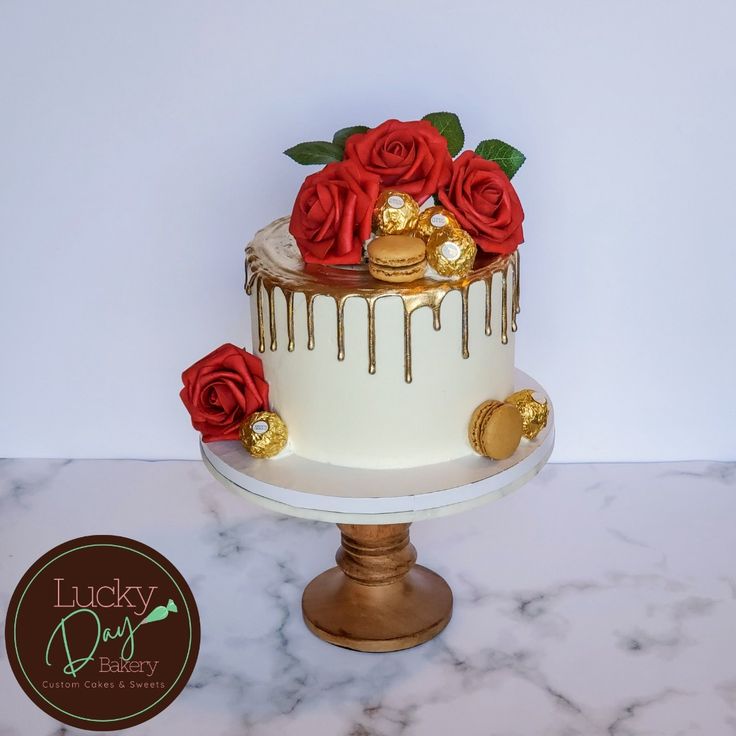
395, 213
451, 252
533, 413
495, 429
263, 434
433, 219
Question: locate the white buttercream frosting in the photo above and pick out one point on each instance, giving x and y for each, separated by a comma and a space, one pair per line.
338, 412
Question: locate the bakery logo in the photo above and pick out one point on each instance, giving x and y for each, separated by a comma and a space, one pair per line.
102, 633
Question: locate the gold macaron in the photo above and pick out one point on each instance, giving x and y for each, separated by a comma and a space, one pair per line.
397, 258
495, 429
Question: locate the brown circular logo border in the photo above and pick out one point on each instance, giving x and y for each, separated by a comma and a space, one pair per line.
72, 571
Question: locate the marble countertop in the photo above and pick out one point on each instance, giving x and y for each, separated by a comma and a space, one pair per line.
598, 599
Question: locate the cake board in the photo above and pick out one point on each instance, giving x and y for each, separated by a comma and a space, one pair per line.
377, 599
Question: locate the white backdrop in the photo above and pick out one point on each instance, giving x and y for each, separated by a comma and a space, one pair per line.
140, 148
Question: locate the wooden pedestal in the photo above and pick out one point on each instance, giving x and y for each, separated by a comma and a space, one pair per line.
377, 599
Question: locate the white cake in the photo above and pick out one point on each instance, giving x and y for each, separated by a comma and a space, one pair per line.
383, 310
378, 375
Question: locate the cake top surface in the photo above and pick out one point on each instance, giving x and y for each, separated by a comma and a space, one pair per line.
274, 259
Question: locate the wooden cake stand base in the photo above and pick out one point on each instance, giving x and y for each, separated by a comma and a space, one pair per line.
377, 599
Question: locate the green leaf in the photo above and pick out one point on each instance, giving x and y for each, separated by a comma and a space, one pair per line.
506, 156
449, 125
315, 152
340, 138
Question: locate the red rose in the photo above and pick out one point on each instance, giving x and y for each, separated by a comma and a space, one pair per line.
485, 203
332, 214
222, 389
411, 157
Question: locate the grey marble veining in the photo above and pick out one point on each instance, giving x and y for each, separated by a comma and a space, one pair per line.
597, 600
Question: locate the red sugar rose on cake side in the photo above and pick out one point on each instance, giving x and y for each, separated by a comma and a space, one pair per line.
411, 157
485, 203
332, 214
222, 389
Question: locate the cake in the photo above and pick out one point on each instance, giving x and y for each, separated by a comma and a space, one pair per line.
378, 358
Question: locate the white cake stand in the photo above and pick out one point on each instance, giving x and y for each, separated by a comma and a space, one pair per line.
377, 599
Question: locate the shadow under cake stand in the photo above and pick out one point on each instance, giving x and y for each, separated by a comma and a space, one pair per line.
377, 599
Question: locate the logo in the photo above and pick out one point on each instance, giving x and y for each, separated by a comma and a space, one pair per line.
102, 633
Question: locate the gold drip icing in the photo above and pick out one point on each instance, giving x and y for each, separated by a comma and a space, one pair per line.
371, 302
290, 319
271, 313
489, 303
249, 282
259, 302
310, 320
464, 294
274, 262
504, 307
407, 344
340, 303
515, 308
436, 321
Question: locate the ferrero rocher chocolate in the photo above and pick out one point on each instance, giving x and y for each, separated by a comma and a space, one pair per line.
495, 429
533, 412
395, 213
451, 252
433, 219
263, 434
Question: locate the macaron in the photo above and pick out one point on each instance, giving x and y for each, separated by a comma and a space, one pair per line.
495, 429
397, 258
